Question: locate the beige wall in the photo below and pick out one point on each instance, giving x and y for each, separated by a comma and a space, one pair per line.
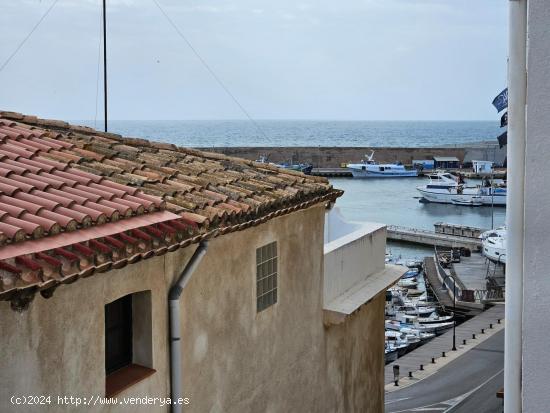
234, 359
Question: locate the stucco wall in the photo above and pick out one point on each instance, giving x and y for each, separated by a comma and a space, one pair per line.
56, 347
536, 365
234, 359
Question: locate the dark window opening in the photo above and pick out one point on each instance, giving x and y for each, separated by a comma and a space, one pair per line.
118, 334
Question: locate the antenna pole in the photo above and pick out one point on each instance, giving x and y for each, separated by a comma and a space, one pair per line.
105, 64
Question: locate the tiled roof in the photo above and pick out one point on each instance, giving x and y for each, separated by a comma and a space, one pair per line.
56, 177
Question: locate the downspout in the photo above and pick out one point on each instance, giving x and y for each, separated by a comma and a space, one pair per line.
175, 332
517, 91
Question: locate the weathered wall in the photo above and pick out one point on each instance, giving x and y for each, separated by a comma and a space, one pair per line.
355, 367
234, 359
56, 347
332, 157
536, 366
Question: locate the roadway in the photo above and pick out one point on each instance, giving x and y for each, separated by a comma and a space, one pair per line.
467, 384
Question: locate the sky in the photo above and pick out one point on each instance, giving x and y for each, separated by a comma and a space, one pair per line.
283, 59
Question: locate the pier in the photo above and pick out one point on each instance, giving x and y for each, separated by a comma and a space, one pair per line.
425, 237
331, 172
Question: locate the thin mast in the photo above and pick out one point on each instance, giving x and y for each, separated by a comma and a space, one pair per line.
105, 64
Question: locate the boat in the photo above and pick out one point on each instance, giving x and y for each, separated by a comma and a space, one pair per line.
305, 168
413, 292
399, 341
390, 353
493, 244
445, 188
435, 318
369, 168
408, 283
414, 264
416, 310
410, 274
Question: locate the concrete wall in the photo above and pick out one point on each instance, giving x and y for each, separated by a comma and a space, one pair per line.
331, 157
234, 359
352, 257
536, 365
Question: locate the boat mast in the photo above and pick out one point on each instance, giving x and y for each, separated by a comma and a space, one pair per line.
105, 64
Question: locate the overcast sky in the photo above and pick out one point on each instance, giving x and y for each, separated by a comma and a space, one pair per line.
282, 59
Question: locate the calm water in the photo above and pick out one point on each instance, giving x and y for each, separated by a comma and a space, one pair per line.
390, 201
395, 201
307, 133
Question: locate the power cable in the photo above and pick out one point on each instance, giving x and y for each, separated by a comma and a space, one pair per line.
210, 70
20, 45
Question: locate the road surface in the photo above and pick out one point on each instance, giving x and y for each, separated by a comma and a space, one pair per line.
467, 384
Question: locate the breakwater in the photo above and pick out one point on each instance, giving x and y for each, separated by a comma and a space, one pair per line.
334, 157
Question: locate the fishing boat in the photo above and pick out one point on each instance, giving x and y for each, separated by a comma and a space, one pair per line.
494, 244
445, 188
369, 168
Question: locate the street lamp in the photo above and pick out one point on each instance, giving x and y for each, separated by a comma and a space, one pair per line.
444, 287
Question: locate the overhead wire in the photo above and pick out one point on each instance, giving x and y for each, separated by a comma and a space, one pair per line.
210, 70
20, 45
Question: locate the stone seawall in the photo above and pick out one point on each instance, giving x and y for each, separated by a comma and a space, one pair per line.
333, 157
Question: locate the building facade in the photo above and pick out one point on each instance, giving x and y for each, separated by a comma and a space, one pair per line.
86, 314
526, 369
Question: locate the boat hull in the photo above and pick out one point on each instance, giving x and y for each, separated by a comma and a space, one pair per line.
390, 356
358, 173
451, 197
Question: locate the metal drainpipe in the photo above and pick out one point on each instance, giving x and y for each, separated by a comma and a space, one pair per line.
175, 333
517, 91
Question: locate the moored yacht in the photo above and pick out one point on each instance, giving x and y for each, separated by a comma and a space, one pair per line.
371, 169
494, 244
445, 188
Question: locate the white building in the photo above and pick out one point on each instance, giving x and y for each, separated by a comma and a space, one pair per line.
482, 167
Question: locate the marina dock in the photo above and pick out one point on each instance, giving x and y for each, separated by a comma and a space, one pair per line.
423, 355
476, 272
425, 237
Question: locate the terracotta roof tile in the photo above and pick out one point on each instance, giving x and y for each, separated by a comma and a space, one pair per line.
56, 177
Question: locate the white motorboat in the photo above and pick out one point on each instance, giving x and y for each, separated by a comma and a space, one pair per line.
494, 244
371, 169
445, 188
417, 310
399, 341
414, 264
390, 353
435, 318
408, 283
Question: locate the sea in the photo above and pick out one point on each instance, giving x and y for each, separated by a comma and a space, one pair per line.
389, 201
215, 133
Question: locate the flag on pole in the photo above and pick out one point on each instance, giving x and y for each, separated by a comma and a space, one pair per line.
503, 139
501, 101
504, 120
